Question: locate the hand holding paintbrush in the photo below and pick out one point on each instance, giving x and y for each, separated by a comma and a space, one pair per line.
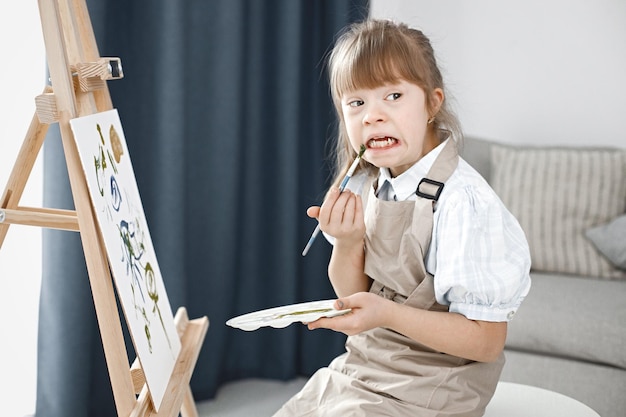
342, 187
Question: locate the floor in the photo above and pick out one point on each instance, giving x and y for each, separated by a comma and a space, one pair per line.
261, 398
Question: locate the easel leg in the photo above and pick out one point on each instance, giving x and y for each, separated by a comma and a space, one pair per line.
188, 408
22, 169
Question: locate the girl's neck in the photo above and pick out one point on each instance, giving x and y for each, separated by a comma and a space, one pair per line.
431, 141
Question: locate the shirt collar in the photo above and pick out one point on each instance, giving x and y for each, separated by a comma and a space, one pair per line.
405, 184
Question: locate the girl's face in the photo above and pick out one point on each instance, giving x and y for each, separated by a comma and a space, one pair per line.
392, 122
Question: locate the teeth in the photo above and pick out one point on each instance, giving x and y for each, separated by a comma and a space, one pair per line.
381, 142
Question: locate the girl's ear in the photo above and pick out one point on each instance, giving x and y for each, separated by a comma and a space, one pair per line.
436, 100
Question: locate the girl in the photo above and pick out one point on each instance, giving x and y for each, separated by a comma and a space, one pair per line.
428, 259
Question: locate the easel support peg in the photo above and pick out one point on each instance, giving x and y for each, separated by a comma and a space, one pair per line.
92, 75
46, 108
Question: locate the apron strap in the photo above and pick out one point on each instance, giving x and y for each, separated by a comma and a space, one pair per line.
431, 185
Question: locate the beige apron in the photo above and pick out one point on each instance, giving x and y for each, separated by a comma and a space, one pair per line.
384, 373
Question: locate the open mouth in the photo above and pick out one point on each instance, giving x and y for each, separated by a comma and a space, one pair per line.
381, 142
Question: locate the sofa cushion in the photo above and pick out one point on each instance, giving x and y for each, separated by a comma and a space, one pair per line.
477, 152
557, 194
572, 317
610, 240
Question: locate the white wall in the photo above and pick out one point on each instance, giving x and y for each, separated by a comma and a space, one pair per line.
22, 77
528, 71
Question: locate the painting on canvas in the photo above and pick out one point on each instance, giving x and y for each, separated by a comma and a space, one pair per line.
120, 215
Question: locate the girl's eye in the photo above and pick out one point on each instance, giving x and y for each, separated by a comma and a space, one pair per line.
355, 103
393, 96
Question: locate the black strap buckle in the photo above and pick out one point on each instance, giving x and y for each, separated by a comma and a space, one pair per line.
428, 191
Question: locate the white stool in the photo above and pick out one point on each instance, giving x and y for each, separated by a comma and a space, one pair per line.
517, 400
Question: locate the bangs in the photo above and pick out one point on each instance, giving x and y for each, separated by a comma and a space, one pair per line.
374, 58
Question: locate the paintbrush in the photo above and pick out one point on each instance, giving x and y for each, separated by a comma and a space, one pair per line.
342, 186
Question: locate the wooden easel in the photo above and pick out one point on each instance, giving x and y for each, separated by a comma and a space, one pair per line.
78, 88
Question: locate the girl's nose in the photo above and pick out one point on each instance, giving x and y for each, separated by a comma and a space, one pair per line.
374, 114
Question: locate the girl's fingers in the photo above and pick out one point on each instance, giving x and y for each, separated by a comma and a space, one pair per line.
344, 209
313, 212
328, 206
349, 209
340, 211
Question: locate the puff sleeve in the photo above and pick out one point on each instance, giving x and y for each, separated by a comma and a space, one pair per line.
479, 255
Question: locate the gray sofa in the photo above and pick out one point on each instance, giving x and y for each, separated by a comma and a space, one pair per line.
569, 335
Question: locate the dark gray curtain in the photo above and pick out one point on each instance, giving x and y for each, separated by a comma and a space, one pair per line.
226, 113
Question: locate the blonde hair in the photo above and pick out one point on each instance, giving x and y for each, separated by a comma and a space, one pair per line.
372, 53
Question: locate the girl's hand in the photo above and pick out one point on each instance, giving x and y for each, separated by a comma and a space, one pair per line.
368, 311
446, 332
341, 216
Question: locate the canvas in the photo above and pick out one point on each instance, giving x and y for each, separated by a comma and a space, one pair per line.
132, 258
